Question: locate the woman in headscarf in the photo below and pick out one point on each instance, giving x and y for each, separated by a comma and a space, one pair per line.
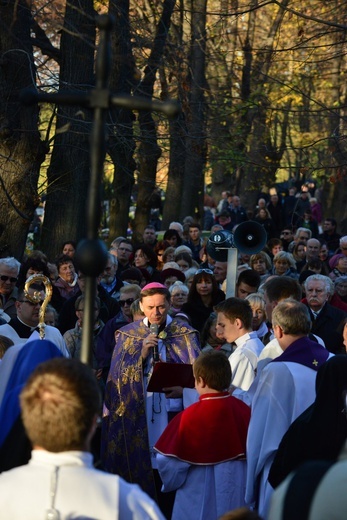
15, 448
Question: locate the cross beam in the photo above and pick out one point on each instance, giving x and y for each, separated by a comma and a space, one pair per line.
91, 254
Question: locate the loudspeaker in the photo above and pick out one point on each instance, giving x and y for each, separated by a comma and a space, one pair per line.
250, 237
218, 244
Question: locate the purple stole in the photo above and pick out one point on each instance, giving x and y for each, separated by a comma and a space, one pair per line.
305, 352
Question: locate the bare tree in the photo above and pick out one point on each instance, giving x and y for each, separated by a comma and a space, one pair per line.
69, 170
121, 143
21, 149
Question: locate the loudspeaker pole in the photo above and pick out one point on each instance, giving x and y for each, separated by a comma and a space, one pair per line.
231, 272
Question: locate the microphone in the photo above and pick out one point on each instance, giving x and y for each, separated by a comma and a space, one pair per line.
154, 330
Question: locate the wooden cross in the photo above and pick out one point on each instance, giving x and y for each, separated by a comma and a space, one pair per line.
91, 254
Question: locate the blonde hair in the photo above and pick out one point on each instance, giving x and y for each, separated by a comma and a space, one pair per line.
256, 300
59, 403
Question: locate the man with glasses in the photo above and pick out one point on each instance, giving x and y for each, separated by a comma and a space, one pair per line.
25, 324
287, 237
9, 269
124, 253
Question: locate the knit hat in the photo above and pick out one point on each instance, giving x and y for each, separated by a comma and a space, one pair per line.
334, 260
167, 273
132, 273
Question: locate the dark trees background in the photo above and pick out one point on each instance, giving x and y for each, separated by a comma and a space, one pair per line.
261, 85
21, 148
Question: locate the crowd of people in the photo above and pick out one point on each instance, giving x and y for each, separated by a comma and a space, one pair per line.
267, 364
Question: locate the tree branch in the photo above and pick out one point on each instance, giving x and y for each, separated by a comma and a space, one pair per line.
43, 43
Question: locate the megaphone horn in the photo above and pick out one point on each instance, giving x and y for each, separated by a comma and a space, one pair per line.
218, 244
250, 237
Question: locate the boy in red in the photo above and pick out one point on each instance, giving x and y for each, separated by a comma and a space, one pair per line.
201, 453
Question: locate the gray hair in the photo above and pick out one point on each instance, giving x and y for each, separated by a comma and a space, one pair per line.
343, 240
113, 259
116, 241
178, 287
283, 255
340, 279
190, 272
328, 283
292, 316
11, 263
183, 249
177, 226
306, 230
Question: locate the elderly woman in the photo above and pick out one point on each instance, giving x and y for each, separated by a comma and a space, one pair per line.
338, 265
257, 304
284, 265
179, 295
67, 279
341, 287
203, 295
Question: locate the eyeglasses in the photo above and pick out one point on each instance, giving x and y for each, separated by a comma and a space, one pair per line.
4, 278
129, 301
32, 304
286, 233
207, 271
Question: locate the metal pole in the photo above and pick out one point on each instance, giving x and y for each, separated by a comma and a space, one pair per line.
99, 102
231, 272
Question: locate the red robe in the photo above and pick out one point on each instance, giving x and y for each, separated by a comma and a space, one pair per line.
210, 431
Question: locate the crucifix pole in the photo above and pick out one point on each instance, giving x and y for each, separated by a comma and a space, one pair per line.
91, 254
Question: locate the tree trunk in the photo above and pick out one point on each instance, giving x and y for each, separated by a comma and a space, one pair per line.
69, 171
174, 187
21, 149
193, 191
121, 143
149, 151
